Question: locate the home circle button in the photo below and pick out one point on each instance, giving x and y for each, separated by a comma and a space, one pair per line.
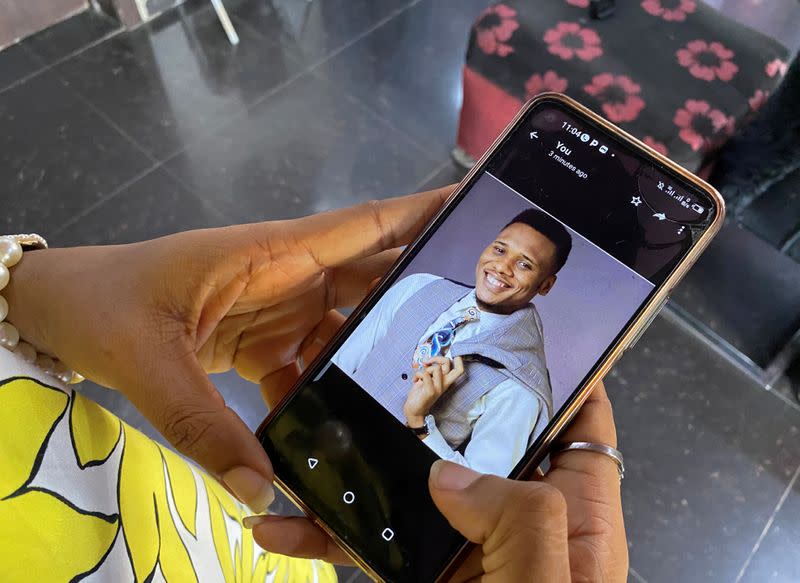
349, 497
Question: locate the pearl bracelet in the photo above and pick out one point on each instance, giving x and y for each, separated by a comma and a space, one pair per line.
10, 255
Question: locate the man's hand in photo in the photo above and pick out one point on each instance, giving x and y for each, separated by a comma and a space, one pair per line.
430, 382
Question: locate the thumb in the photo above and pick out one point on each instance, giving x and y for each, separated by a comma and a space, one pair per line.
180, 400
521, 526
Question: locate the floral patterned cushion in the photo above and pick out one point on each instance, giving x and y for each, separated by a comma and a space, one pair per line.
675, 73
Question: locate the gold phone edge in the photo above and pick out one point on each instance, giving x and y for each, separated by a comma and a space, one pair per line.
361, 564
649, 311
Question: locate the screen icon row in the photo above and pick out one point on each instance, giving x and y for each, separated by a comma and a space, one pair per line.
349, 497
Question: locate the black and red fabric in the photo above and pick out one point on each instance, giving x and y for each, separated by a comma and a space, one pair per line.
675, 73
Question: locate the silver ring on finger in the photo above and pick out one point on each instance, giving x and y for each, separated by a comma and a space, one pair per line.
606, 450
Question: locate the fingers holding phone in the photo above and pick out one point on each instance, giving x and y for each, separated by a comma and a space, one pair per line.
520, 528
597, 543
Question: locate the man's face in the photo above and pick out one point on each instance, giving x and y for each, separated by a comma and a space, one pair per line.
518, 265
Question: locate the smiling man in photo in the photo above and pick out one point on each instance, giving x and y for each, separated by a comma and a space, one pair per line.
464, 367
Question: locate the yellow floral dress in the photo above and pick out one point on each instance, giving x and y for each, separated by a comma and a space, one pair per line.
85, 497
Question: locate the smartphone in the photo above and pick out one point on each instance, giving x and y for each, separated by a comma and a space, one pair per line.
548, 261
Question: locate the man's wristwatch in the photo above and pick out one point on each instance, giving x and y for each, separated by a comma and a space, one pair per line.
425, 430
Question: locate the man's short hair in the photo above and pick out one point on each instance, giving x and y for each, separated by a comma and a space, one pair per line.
550, 228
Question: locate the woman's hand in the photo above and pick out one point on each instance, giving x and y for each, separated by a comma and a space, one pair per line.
430, 382
524, 527
520, 528
590, 484
152, 318
566, 527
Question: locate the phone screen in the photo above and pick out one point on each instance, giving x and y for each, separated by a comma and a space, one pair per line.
517, 294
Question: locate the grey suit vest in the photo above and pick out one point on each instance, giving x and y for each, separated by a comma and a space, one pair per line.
515, 349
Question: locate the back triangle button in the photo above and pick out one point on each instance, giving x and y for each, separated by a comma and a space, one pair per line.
312, 462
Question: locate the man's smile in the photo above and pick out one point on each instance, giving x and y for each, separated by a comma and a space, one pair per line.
495, 283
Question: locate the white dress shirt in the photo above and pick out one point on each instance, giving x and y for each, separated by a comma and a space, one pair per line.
504, 420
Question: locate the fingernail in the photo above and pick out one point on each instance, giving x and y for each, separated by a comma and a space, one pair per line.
251, 521
450, 476
250, 487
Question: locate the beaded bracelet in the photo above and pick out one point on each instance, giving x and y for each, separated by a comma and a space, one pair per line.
10, 255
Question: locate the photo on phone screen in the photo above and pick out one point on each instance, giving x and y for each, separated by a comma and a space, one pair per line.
504, 286
483, 335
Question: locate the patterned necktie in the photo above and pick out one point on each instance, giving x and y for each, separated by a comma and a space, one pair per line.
438, 342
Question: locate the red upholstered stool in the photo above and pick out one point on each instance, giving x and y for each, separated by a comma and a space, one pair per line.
676, 73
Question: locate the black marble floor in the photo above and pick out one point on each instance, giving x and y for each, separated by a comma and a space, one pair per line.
110, 137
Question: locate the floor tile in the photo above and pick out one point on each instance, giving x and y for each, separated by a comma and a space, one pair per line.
155, 7
305, 149
757, 323
775, 215
313, 29
119, 404
776, 561
634, 577
708, 454
792, 377
57, 156
409, 70
356, 576
794, 250
151, 207
347, 574
243, 397
787, 386
16, 63
177, 78
448, 173
70, 35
